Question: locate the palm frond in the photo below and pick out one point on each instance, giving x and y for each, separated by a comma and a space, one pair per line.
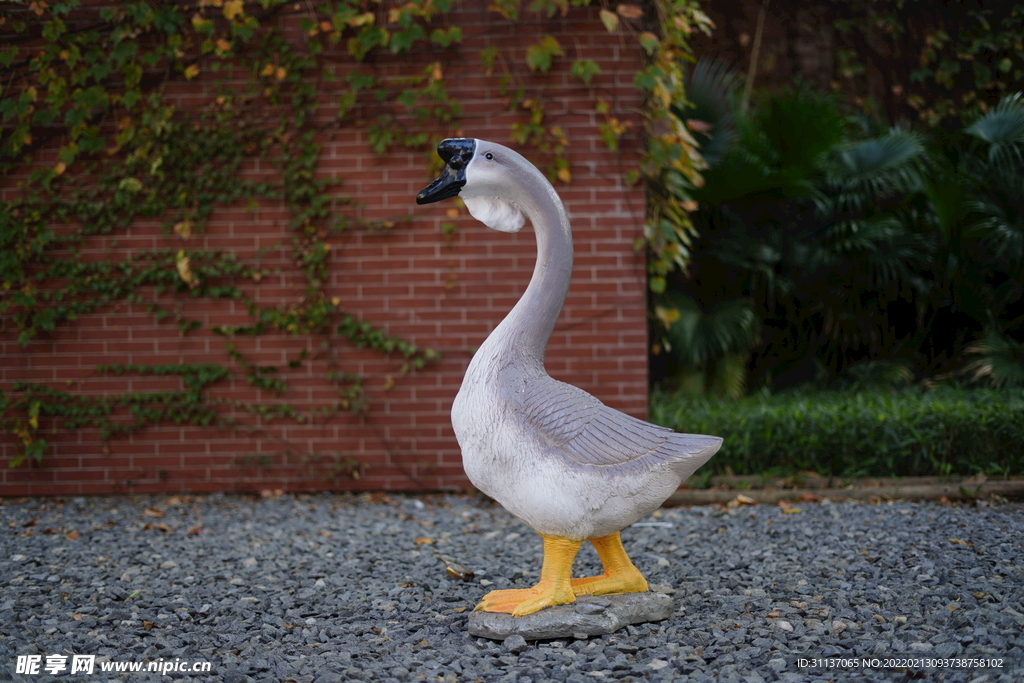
710, 89
999, 362
698, 337
864, 172
1003, 129
879, 374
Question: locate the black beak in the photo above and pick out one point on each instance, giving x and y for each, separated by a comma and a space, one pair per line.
456, 153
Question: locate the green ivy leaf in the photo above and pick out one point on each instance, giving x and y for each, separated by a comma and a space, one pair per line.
539, 56
585, 70
445, 38
401, 41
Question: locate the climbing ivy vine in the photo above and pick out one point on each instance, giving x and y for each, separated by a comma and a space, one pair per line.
91, 141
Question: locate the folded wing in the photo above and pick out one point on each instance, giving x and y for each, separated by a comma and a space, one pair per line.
586, 432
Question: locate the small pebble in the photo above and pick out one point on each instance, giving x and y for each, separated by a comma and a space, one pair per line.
515, 644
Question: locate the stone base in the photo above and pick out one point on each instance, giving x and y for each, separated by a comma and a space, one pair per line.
589, 615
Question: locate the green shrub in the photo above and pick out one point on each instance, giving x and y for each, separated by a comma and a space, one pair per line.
911, 433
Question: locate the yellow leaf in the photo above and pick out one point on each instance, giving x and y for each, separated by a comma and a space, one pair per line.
184, 271
336, 300
191, 72
326, 26
667, 316
452, 213
389, 382
223, 45
423, 540
268, 70
610, 20
280, 73
60, 167
565, 175
364, 19
232, 8
792, 511
184, 229
436, 73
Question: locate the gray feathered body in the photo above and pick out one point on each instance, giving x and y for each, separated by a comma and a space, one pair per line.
558, 458
552, 454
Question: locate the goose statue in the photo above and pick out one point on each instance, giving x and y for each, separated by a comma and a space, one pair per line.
554, 456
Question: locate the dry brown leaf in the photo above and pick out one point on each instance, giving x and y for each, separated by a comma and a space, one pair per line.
72, 535
629, 11
773, 615
423, 540
153, 512
148, 625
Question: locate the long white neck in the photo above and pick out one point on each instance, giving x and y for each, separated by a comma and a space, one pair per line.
527, 328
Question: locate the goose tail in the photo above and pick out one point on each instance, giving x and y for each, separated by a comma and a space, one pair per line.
689, 451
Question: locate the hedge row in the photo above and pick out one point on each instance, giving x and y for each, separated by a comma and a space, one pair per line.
912, 433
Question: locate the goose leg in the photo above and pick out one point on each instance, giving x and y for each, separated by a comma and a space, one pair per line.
620, 575
552, 589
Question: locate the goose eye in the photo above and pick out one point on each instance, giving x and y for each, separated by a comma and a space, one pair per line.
489, 156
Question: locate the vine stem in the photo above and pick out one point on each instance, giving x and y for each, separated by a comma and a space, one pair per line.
755, 52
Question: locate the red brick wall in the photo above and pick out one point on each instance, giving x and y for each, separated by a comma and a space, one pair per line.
412, 281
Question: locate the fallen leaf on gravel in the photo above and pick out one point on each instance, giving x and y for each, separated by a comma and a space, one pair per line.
741, 500
76, 617
152, 512
148, 625
163, 527
456, 570
960, 541
72, 535
792, 511
878, 617
459, 609
134, 594
773, 615
979, 595
423, 540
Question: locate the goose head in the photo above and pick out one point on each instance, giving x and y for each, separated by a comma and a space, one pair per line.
486, 176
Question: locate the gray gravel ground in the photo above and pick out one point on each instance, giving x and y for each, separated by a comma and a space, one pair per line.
344, 588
